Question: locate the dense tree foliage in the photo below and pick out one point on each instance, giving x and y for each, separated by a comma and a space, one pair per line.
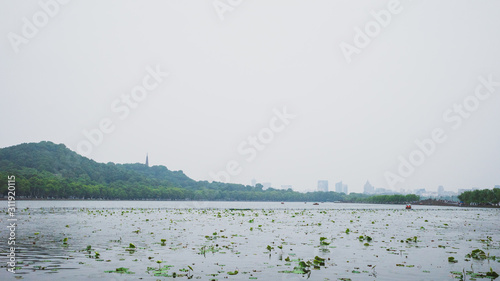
381, 199
47, 170
481, 197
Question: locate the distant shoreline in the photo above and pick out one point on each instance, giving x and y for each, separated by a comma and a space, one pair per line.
427, 202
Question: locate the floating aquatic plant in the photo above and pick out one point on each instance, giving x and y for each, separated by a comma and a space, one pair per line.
121, 270
322, 241
492, 274
477, 254
411, 239
160, 271
319, 261
362, 238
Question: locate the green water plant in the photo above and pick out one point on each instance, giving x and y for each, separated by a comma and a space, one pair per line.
319, 261
411, 239
131, 248
322, 241
492, 274
160, 271
477, 254
362, 238
121, 270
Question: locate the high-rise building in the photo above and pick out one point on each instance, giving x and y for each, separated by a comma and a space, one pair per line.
344, 188
254, 182
147, 160
338, 187
323, 185
286, 186
440, 190
497, 186
368, 188
420, 191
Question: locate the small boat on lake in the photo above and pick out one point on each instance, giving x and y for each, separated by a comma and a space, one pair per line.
316, 204
408, 207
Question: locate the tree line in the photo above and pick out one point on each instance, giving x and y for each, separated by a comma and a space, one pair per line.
46, 185
481, 197
48, 170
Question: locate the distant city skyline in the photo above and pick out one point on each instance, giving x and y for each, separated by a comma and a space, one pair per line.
340, 187
367, 188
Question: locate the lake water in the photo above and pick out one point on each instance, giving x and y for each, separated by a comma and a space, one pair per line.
85, 240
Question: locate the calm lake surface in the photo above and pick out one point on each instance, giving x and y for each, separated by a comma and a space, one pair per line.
85, 240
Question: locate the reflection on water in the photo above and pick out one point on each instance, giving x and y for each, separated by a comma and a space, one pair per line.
62, 240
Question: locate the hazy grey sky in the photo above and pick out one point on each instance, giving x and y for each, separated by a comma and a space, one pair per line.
364, 81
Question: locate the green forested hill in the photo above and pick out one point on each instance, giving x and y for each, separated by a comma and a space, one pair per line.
60, 161
48, 170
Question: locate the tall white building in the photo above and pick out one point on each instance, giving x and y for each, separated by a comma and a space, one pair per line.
323, 185
344, 188
369, 189
440, 190
339, 187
